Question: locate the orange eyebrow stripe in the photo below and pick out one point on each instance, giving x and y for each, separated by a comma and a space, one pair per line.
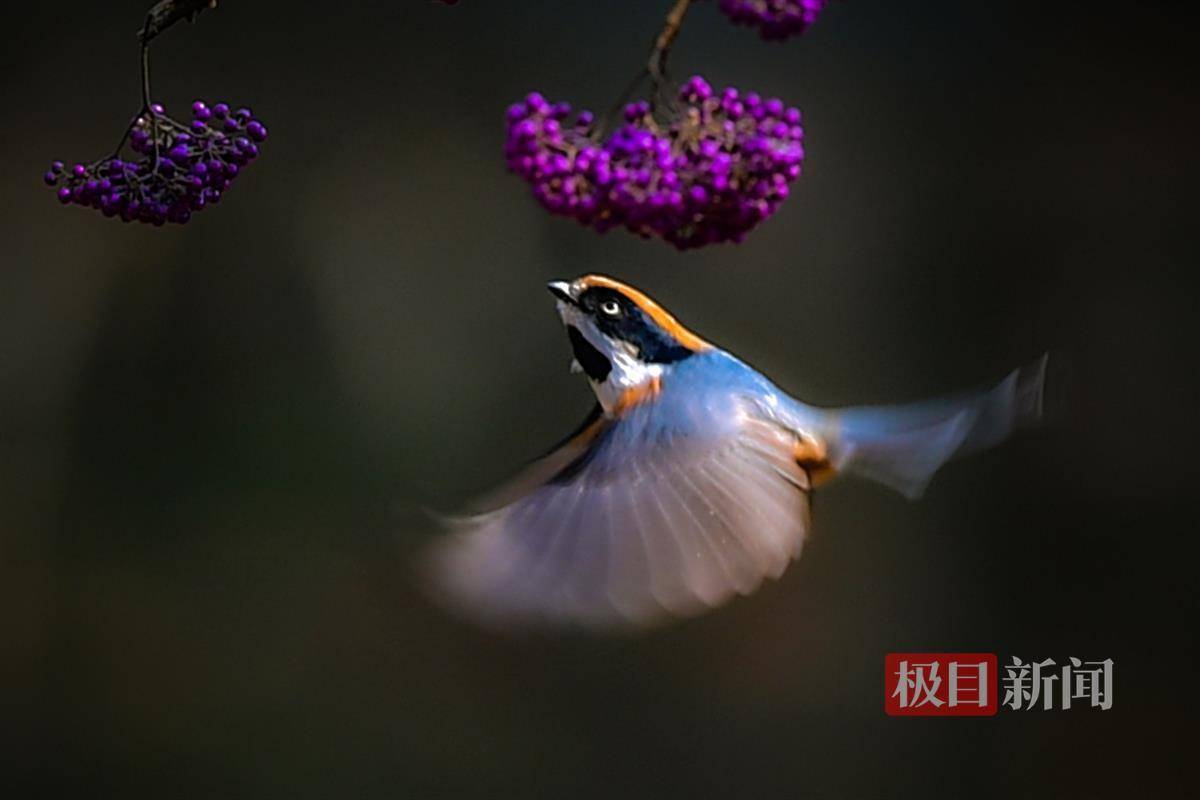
652, 309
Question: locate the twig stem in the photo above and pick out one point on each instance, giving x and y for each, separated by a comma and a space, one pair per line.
147, 35
657, 65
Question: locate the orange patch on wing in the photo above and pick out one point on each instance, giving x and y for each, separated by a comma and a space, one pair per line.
638, 395
586, 436
813, 457
652, 309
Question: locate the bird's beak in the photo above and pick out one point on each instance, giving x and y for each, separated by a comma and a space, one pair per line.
562, 290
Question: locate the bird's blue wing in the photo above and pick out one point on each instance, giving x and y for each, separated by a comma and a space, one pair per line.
668, 510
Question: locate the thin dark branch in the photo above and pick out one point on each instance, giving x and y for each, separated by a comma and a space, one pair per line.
657, 65
161, 16
656, 68
146, 102
145, 74
166, 13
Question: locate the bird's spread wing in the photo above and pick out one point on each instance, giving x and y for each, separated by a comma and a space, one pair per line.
629, 522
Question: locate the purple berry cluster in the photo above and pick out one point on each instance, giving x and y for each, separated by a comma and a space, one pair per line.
720, 165
775, 19
179, 169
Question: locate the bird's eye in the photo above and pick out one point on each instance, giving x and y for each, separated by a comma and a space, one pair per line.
611, 307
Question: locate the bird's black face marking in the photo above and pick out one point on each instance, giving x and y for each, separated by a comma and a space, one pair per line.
594, 363
619, 317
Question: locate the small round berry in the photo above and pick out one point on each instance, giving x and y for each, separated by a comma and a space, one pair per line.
195, 165
707, 171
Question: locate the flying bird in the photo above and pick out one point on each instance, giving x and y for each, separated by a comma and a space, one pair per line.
690, 480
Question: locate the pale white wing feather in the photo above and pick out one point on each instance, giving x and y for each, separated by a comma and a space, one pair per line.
667, 530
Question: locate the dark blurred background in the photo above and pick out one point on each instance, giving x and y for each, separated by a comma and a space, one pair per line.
217, 441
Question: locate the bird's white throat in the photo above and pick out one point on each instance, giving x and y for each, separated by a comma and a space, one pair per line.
628, 371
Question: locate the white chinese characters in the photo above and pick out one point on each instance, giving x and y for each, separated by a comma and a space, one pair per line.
919, 684
1042, 684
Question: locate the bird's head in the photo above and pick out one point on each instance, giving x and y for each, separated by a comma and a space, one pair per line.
622, 340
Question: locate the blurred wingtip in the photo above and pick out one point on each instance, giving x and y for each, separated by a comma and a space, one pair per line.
455, 573
1045, 389
1031, 387
434, 564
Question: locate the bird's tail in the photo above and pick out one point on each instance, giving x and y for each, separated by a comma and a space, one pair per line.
903, 446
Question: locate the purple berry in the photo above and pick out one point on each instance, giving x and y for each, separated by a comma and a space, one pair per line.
775, 19
195, 165
719, 165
